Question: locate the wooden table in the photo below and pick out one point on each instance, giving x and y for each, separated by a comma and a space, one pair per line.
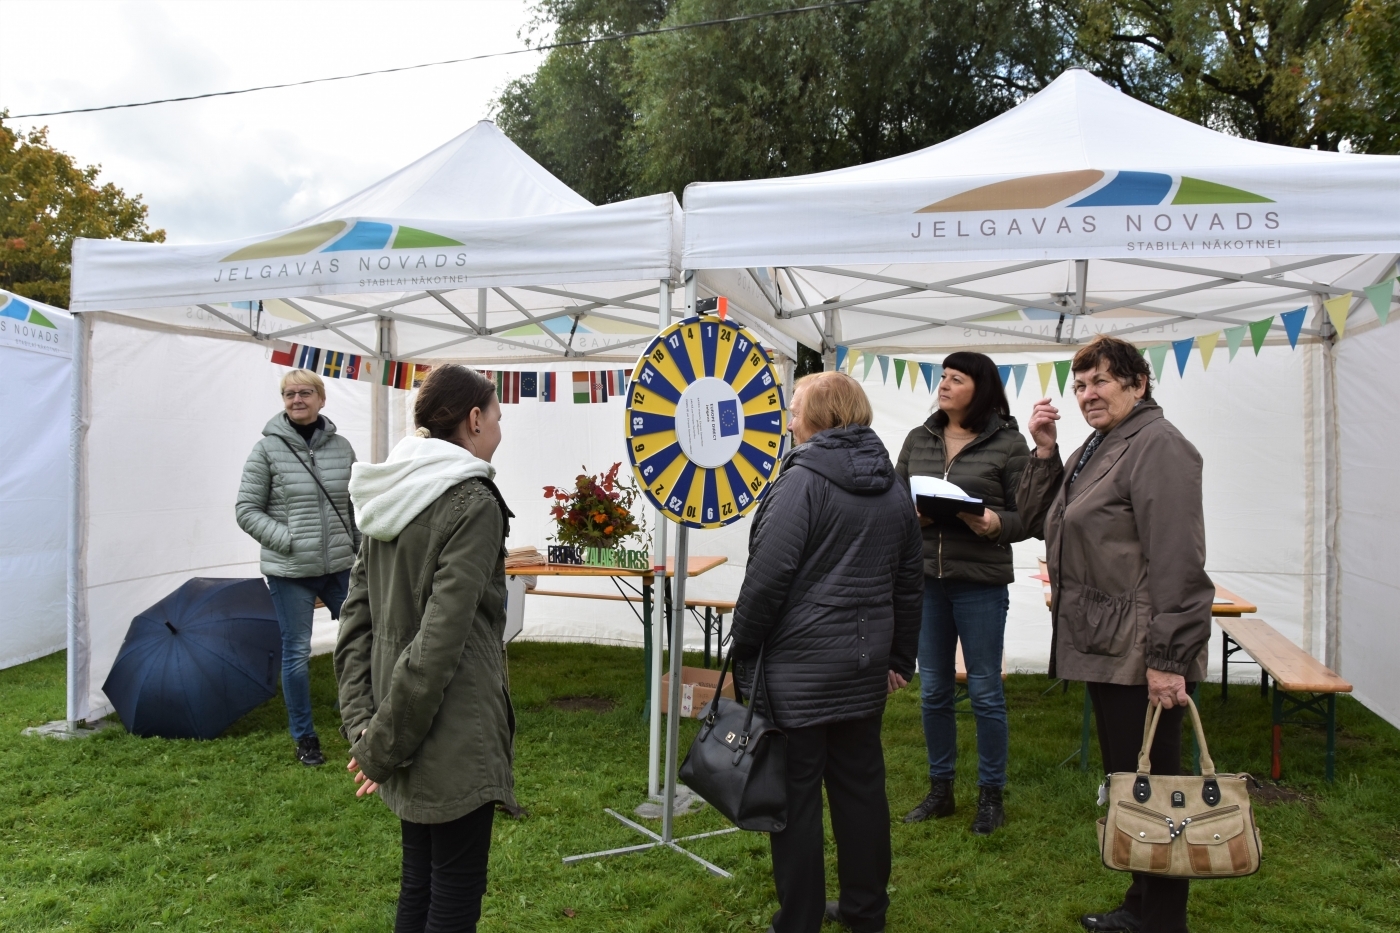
695, 566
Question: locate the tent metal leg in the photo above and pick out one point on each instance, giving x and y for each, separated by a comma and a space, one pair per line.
78, 636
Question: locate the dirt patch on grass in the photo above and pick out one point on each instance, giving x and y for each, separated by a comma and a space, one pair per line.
1269, 794
591, 704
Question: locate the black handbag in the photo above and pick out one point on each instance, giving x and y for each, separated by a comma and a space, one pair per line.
738, 761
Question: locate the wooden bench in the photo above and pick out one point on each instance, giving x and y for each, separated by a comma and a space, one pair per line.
1305, 689
712, 621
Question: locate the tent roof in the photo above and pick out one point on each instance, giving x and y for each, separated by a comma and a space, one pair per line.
1198, 228
474, 251
26, 324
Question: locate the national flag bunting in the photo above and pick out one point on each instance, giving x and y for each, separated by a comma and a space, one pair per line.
581, 387
549, 387
598, 386
617, 382
508, 387
529, 385
284, 354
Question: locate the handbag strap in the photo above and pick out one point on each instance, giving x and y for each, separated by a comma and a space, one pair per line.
758, 684
329, 501
1154, 715
753, 697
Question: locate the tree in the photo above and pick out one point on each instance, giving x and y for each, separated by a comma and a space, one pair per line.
1374, 121
45, 201
777, 96
1277, 71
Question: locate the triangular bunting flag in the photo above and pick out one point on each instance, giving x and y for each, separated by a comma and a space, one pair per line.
1258, 331
1337, 310
1045, 371
926, 370
1293, 323
1234, 337
1207, 344
1182, 349
869, 360
841, 354
1020, 370
937, 377
1379, 296
1005, 373
851, 358
884, 368
1158, 356
1062, 373
899, 373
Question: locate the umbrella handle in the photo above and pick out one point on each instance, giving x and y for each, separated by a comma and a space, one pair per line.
173, 629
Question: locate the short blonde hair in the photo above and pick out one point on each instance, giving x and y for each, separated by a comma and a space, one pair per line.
833, 400
303, 377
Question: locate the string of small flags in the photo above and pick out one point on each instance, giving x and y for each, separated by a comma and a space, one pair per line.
588, 387
1381, 296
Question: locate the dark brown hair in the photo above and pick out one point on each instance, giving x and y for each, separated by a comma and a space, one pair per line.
1120, 358
447, 397
988, 393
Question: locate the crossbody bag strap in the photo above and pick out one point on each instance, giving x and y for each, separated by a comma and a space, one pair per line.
329, 501
757, 691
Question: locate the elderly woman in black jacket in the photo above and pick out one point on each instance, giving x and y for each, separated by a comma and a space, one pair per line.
832, 595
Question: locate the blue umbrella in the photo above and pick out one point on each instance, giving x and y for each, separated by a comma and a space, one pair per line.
196, 661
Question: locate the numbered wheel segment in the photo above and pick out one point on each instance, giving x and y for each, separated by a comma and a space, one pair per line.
706, 422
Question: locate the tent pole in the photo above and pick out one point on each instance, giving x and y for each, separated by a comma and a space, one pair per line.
78, 641
1332, 634
379, 394
673, 709
829, 341
657, 622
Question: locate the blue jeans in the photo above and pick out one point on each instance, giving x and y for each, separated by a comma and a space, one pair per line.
294, 598
974, 613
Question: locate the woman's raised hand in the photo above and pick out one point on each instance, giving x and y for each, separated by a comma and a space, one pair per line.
1042, 428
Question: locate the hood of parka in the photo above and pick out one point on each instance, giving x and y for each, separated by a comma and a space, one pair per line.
281, 426
853, 458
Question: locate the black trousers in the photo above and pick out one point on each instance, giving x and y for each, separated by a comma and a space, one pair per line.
847, 756
1160, 903
444, 873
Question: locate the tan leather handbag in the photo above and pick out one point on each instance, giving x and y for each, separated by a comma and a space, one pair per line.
1183, 826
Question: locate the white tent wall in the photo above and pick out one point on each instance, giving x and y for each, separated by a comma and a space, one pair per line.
173, 415
1368, 536
34, 398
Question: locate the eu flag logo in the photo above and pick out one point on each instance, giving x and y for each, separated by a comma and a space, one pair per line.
728, 418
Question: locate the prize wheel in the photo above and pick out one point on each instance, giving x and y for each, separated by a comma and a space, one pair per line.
706, 422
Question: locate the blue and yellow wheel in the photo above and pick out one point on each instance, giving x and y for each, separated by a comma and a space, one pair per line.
706, 422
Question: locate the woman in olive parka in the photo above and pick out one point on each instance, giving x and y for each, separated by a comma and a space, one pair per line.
424, 697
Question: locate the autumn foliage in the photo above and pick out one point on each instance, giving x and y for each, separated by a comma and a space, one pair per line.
596, 512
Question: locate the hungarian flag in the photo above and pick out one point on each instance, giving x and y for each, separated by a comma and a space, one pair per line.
283, 353
581, 389
508, 388
529, 385
598, 386
617, 382
549, 390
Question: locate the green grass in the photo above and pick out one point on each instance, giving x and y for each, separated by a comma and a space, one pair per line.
120, 833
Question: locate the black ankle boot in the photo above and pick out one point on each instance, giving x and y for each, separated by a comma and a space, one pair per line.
989, 813
938, 803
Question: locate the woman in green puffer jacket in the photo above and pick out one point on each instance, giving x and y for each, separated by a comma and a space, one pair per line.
973, 442
424, 698
294, 501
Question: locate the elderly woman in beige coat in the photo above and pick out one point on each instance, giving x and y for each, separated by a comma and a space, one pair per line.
1125, 541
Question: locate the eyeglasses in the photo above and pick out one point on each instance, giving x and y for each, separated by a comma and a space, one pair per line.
298, 393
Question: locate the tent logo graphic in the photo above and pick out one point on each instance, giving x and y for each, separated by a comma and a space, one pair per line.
1125, 189
12, 307
339, 235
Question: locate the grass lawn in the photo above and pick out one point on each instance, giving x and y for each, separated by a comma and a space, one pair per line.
119, 833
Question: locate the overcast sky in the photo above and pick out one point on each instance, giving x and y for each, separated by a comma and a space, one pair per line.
230, 167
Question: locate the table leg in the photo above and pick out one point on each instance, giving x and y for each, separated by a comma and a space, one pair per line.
1084, 731
1331, 735
646, 647
1224, 666
1263, 682
1276, 766
707, 636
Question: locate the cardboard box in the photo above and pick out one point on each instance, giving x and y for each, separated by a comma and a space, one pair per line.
697, 688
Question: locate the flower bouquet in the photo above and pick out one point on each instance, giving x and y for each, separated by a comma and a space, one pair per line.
593, 518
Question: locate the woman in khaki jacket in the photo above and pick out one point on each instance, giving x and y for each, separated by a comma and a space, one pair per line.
1125, 541
423, 690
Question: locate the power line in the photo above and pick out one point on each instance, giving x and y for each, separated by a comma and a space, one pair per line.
457, 61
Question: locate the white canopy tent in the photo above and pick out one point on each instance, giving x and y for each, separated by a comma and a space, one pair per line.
1082, 211
35, 362
473, 253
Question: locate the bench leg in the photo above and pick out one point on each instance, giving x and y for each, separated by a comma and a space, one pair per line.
1331, 735
707, 636
1263, 683
1224, 666
1084, 731
1276, 766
